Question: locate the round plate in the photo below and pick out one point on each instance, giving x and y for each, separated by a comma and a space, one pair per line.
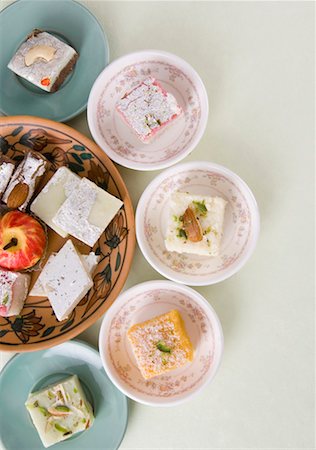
171, 144
241, 223
37, 326
50, 366
72, 23
145, 301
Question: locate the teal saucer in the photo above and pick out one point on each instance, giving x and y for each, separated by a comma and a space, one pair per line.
27, 372
72, 23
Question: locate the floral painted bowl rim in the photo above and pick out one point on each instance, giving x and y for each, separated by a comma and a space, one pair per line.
254, 210
196, 297
139, 55
91, 145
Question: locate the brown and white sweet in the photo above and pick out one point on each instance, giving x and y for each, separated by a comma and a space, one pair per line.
44, 60
13, 292
195, 224
25, 180
6, 171
148, 108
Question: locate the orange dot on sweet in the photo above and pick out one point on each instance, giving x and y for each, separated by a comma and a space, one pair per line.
45, 81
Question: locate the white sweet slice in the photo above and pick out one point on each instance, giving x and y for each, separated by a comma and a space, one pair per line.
89, 261
29, 171
6, 171
209, 211
13, 291
87, 212
60, 410
53, 195
65, 280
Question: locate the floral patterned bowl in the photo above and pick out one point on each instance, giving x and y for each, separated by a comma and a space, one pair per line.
37, 327
145, 301
241, 223
174, 142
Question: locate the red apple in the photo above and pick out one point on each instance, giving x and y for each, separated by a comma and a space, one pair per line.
22, 240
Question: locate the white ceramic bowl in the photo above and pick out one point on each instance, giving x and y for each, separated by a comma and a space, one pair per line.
241, 223
173, 143
145, 301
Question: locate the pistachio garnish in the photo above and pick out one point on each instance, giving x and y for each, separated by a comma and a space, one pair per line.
200, 207
60, 410
43, 411
60, 428
163, 347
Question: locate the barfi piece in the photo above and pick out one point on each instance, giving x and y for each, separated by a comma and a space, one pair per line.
53, 195
90, 262
25, 180
87, 212
6, 171
43, 60
195, 224
60, 410
65, 280
148, 108
14, 287
160, 344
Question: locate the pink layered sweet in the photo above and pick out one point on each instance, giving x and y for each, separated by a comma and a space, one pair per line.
148, 108
13, 291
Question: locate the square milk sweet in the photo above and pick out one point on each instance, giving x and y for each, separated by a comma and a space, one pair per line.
60, 410
195, 224
65, 280
148, 108
160, 344
87, 212
43, 60
53, 195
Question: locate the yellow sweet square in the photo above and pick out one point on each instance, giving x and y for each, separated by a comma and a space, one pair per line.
160, 344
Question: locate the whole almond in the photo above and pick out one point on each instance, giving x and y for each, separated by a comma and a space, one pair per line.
192, 226
18, 195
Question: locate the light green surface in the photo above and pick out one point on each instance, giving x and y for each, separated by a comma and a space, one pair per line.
256, 60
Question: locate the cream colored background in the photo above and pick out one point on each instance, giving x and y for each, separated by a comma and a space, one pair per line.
256, 59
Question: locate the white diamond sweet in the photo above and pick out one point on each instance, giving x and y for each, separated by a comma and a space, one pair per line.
89, 261
65, 280
87, 212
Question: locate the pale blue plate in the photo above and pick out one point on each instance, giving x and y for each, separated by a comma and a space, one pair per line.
69, 21
27, 372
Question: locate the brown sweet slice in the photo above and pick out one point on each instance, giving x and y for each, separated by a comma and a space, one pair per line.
192, 226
